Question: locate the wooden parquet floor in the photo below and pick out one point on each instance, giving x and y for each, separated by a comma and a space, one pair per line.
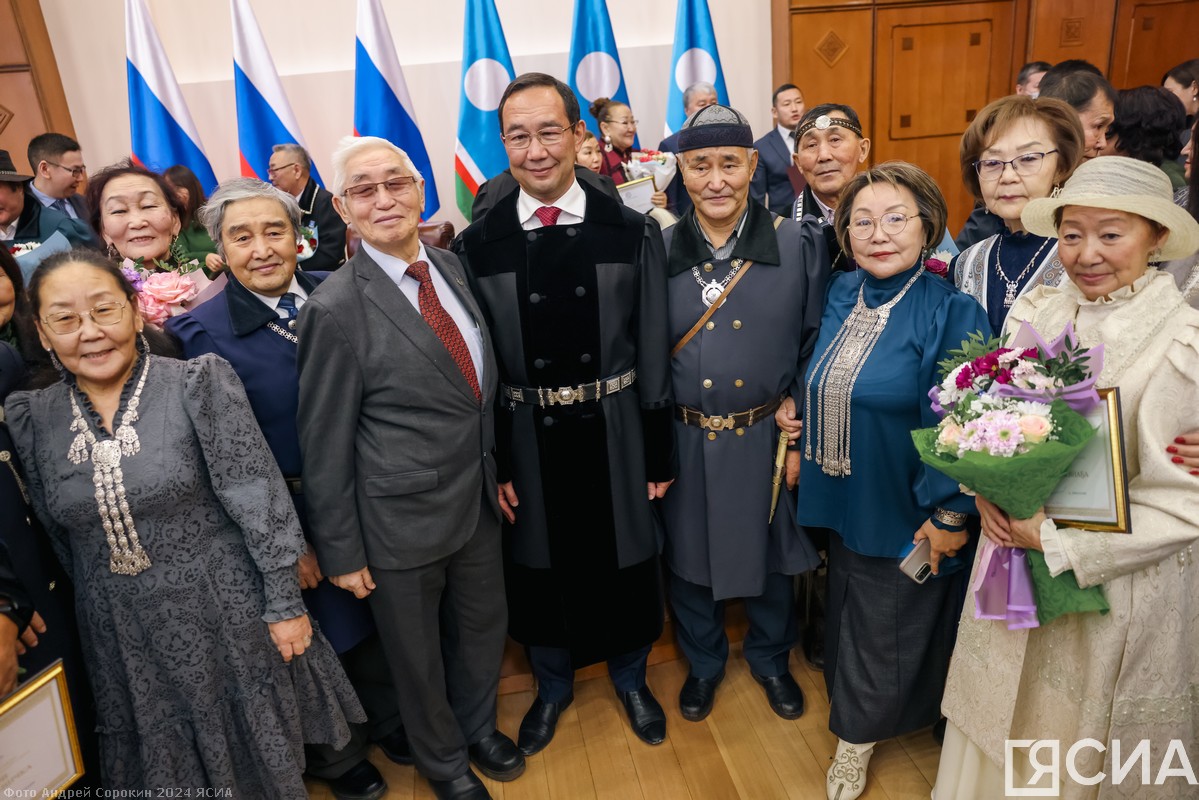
741, 752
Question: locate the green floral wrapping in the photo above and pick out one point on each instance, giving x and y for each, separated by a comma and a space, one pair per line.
1061, 595
1022, 483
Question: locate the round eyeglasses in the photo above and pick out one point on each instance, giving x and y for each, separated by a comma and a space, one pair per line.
892, 224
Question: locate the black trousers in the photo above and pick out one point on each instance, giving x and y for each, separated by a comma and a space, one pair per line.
366, 666
443, 627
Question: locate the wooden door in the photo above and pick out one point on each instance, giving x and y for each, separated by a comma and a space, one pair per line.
31, 97
1151, 36
935, 68
1063, 29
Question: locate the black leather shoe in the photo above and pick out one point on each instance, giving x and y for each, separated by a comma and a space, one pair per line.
395, 746
537, 728
645, 715
361, 782
497, 757
698, 695
466, 787
784, 694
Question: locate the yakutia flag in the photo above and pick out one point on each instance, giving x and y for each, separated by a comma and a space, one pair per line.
382, 106
594, 62
695, 59
162, 129
264, 117
486, 72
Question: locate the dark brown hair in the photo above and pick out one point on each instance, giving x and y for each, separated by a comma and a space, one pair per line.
22, 315
930, 203
97, 183
183, 178
995, 119
80, 255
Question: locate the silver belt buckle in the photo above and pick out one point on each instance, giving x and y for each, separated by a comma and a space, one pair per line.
566, 396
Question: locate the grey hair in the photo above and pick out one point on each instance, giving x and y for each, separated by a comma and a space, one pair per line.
700, 87
212, 213
350, 146
295, 151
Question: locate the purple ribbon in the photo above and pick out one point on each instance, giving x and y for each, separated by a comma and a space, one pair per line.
1003, 587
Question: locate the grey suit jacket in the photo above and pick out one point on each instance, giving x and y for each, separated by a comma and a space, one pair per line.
397, 451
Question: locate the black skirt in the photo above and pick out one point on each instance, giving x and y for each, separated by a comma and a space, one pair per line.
887, 645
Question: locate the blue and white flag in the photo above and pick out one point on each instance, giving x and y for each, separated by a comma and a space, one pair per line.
695, 59
264, 117
486, 71
382, 105
594, 61
160, 125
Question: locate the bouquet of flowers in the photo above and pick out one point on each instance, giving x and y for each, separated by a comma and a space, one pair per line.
23, 248
1011, 425
661, 166
163, 292
307, 244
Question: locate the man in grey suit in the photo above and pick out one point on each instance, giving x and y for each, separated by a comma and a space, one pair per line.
397, 385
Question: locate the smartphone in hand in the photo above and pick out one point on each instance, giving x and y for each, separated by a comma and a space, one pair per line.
916, 563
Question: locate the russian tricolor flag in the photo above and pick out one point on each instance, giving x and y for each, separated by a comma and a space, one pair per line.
486, 71
264, 116
382, 106
161, 128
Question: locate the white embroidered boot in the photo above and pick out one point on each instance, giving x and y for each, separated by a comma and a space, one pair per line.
847, 775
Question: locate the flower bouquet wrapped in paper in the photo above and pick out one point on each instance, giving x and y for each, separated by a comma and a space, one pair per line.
1011, 425
661, 166
163, 292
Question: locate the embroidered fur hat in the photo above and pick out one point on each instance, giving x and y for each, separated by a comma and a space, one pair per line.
1121, 184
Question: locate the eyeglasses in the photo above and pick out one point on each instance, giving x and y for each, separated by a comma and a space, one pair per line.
280, 168
76, 172
547, 137
70, 321
892, 224
1024, 165
395, 187
628, 123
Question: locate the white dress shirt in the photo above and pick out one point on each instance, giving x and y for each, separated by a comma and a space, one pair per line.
273, 302
396, 269
786, 133
9, 232
573, 204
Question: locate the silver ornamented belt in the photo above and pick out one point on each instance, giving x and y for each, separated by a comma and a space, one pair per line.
726, 422
569, 395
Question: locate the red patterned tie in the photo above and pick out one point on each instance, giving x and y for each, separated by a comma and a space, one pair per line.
548, 215
443, 325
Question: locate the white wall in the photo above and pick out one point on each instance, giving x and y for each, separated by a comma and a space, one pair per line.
312, 44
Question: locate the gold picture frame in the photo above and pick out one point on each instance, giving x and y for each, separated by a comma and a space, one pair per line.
38, 739
638, 194
1094, 494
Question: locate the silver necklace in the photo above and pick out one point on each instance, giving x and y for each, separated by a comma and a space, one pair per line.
288, 335
710, 291
126, 556
846, 354
1013, 287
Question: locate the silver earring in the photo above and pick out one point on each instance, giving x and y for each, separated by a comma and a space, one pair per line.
54, 361
1057, 190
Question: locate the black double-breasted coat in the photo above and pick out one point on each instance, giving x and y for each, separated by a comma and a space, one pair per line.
569, 305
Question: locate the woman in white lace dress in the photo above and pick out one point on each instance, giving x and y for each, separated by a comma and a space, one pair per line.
1132, 674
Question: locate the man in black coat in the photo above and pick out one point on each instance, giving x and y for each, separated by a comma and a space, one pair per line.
573, 286
24, 220
776, 181
323, 228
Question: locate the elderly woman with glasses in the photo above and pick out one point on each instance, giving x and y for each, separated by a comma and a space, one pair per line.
1116, 679
167, 509
885, 327
619, 131
1017, 149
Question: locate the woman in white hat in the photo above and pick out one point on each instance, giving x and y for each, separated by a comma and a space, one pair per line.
1132, 674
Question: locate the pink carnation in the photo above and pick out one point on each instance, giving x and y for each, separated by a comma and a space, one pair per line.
965, 378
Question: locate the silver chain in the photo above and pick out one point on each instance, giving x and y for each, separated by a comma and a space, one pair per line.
712, 289
288, 335
1013, 287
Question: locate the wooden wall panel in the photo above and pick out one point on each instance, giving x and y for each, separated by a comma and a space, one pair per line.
831, 59
1064, 29
32, 100
1150, 37
936, 66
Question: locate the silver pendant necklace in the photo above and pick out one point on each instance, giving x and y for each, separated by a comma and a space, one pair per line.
1013, 286
126, 556
710, 291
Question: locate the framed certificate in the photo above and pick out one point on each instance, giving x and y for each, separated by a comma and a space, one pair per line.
1094, 494
638, 194
39, 747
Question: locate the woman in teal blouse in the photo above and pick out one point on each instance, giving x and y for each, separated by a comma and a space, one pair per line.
885, 327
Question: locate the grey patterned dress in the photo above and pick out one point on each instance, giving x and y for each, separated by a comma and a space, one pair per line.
190, 690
